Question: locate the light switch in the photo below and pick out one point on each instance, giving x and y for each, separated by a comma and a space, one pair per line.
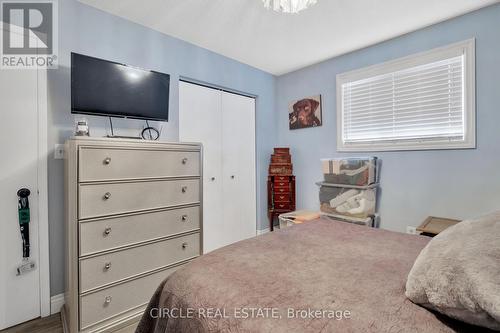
59, 151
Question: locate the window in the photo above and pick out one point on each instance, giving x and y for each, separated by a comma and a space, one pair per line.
424, 101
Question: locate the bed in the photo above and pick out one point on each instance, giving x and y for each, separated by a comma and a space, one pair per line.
320, 276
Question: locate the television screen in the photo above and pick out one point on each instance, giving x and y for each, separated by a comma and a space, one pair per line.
105, 88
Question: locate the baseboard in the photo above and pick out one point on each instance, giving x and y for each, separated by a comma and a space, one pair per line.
56, 303
64, 319
262, 231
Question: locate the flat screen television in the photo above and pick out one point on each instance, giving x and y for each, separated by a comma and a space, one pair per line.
106, 88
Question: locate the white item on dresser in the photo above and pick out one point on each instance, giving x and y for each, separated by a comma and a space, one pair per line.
133, 216
225, 124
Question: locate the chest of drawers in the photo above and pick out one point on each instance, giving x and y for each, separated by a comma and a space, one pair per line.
133, 216
281, 196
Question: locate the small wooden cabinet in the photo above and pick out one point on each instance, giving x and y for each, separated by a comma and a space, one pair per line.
281, 196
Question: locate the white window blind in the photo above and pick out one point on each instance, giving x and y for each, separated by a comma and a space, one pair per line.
415, 104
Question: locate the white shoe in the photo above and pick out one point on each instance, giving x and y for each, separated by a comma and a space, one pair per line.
340, 199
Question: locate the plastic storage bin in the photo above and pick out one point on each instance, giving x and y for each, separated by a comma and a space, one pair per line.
297, 217
352, 171
354, 201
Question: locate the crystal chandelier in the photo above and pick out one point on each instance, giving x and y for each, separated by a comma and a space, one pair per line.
288, 6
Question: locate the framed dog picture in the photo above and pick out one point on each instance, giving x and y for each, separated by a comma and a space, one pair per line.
305, 113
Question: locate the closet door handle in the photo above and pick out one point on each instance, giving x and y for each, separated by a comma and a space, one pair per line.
106, 196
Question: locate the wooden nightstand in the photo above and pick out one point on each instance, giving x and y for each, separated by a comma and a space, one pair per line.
434, 225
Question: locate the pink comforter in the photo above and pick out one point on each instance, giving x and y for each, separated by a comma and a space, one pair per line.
321, 276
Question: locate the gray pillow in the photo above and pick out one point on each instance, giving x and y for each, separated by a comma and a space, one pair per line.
458, 272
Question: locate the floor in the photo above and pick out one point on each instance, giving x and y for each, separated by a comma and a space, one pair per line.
51, 324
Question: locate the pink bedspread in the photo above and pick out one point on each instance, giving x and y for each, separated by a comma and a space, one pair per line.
321, 276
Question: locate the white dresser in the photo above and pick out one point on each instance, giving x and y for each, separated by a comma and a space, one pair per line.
133, 216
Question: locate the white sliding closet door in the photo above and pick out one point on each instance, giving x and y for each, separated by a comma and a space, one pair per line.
238, 167
225, 124
200, 121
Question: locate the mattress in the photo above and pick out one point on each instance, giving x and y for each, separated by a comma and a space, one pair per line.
320, 276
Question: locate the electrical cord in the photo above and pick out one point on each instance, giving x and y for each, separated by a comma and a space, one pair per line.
111, 124
149, 130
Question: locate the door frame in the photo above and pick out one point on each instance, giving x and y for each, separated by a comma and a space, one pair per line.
43, 213
245, 94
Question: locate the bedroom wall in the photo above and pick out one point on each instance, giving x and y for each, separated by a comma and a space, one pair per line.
415, 184
86, 30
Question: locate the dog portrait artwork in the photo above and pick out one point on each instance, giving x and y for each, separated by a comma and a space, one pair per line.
305, 113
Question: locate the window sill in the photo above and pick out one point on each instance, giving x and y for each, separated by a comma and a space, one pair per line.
406, 146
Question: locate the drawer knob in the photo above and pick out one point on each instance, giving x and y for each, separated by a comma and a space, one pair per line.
212, 179
107, 195
184, 189
107, 231
232, 176
107, 300
184, 160
107, 160
107, 266
184, 218
184, 245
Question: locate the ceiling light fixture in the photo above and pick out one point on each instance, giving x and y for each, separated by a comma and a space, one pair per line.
288, 6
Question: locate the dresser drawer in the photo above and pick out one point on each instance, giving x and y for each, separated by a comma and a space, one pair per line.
109, 233
118, 299
281, 190
281, 183
281, 205
281, 179
108, 199
284, 183
107, 268
285, 197
110, 164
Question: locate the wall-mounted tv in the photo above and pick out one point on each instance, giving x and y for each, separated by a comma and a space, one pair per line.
106, 88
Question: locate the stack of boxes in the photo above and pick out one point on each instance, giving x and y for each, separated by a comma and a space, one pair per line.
280, 185
349, 189
281, 162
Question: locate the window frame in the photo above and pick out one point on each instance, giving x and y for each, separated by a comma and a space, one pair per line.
465, 48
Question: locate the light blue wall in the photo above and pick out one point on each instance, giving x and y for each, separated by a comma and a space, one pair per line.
415, 184
86, 30
449, 183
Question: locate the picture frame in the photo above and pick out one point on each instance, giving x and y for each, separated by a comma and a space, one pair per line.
305, 113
